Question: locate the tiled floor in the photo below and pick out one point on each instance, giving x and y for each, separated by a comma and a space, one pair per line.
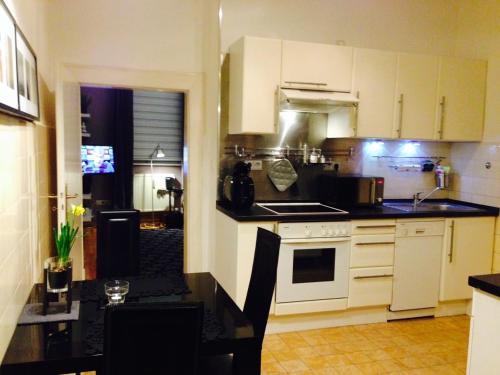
421, 346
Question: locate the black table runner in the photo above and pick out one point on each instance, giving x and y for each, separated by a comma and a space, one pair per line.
140, 286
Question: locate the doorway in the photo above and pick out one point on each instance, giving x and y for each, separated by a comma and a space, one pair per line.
68, 120
132, 157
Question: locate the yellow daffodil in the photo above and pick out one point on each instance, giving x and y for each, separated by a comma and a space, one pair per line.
77, 210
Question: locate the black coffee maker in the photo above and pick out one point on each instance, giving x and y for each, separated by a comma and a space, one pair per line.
239, 188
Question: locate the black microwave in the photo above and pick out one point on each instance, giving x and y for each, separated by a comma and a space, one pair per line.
346, 191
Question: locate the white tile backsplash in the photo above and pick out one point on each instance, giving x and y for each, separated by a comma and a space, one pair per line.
472, 180
392, 159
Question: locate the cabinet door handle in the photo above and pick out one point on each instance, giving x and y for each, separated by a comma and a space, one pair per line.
371, 277
450, 254
400, 124
442, 103
356, 116
307, 83
373, 243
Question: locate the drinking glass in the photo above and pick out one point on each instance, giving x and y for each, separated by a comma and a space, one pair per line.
116, 291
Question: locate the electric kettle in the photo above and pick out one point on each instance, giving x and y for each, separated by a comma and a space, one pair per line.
239, 187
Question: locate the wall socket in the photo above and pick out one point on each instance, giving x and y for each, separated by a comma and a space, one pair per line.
256, 165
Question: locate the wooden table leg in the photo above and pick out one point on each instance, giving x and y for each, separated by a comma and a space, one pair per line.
248, 362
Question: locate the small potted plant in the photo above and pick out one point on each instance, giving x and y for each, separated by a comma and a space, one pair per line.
59, 267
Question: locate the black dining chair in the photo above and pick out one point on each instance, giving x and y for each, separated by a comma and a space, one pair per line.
117, 243
257, 304
153, 338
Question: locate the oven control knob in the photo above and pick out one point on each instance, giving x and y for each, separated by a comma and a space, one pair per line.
323, 232
307, 233
330, 231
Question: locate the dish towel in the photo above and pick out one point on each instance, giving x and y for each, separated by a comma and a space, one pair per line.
282, 174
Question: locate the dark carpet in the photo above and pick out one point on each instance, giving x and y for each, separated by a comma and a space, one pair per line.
161, 252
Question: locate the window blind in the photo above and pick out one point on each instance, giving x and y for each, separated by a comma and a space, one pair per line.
158, 119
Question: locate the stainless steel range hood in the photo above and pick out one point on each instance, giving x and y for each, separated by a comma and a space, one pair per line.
315, 101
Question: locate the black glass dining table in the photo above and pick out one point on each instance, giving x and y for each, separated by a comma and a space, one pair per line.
76, 346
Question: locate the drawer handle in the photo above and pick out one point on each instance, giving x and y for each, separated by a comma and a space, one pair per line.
307, 83
371, 277
420, 231
373, 243
375, 226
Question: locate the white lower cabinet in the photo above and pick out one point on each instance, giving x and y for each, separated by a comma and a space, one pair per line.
372, 260
467, 251
370, 286
234, 253
484, 334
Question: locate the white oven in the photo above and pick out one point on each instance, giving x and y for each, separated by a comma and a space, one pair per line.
313, 263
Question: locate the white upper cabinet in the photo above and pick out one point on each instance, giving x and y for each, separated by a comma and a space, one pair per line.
401, 95
374, 80
254, 77
461, 94
316, 66
416, 96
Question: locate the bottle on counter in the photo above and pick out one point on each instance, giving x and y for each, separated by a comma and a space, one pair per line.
313, 158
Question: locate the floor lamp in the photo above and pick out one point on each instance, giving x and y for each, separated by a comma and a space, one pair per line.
156, 154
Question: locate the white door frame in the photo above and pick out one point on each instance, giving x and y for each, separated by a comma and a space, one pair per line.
191, 84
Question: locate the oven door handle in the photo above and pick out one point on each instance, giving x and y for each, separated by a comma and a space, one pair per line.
315, 240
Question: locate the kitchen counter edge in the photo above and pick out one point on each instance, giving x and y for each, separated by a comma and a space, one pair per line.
256, 213
487, 283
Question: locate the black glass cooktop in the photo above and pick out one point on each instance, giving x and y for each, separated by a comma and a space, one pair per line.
300, 208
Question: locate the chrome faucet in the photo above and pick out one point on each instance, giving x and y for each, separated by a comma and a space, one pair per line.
417, 200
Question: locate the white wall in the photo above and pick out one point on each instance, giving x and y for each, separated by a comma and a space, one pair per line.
211, 66
146, 34
409, 25
26, 176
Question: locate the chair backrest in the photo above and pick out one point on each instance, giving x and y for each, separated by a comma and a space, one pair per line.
117, 243
152, 338
262, 280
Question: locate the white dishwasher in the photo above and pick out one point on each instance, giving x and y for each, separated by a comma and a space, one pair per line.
417, 264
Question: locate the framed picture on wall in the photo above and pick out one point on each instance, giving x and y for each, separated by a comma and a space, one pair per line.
27, 77
9, 100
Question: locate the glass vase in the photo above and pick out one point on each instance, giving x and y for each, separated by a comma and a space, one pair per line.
58, 273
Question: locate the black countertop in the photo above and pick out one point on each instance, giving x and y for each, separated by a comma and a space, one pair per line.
487, 283
256, 213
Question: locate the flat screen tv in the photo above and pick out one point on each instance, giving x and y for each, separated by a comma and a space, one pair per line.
97, 160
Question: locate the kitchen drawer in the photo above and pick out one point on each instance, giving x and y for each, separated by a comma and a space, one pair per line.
374, 226
370, 287
372, 250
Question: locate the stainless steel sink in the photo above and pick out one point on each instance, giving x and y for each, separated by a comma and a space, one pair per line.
431, 207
